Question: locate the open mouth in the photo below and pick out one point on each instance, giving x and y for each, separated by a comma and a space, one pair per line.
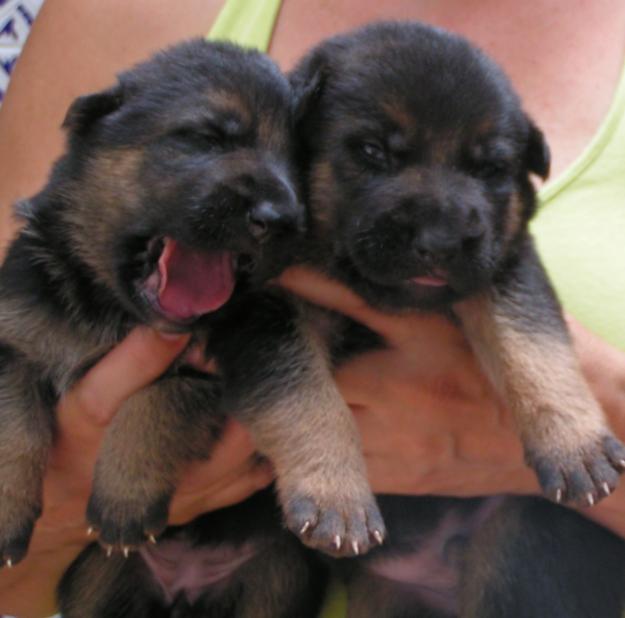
187, 283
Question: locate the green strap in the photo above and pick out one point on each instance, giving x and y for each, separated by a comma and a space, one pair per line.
246, 22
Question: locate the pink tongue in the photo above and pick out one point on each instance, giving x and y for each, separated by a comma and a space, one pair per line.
434, 282
193, 282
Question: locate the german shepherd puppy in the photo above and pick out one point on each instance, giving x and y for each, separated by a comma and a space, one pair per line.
418, 158
175, 201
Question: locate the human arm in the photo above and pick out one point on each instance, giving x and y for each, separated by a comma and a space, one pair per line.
431, 422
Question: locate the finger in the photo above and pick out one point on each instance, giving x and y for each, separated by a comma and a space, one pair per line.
320, 290
230, 490
234, 449
137, 361
394, 327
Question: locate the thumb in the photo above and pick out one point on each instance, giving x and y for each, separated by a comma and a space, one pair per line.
331, 294
396, 328
85, 411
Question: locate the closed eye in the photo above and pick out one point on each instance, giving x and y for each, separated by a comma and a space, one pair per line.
203, 137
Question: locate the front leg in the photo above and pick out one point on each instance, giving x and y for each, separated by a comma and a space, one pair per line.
278, 382
518, 333
26, 428
153, 436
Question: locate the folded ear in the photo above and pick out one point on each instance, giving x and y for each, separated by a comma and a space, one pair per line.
85, 111
308, 80
537, 154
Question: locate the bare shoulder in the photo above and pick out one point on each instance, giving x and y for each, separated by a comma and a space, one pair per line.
76, 47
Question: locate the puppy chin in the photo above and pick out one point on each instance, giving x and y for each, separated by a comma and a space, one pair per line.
403, 286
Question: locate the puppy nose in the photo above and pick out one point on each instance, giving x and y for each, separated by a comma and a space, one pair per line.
435, 251
267, 218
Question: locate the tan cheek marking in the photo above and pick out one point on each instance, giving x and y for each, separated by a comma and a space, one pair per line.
101, 200
323, 196
273, 133
514, 221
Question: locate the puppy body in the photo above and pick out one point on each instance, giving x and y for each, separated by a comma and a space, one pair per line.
418, 158
175, 202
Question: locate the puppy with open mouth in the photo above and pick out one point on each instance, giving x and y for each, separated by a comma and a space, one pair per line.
418, 159
175, 201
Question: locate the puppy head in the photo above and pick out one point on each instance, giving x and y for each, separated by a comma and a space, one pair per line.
418, 158
178, 184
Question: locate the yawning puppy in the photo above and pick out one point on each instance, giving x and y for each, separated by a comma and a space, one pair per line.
174, 203
418, 159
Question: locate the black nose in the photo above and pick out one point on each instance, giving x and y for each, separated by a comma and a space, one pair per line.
267, 218
436, 250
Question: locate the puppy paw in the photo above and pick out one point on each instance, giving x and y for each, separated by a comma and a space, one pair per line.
341, 527
582, 477
18, 513
123, 527
14, 541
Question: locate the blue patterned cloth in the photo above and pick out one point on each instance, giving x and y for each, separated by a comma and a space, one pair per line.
16, 19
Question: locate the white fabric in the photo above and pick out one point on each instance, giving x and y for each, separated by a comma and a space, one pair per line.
16, 18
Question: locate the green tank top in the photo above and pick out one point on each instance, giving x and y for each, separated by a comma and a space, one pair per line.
579, 227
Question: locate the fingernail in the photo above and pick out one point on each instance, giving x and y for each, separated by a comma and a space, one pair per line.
173, 337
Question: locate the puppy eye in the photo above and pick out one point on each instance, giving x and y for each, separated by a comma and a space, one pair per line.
374, 153
205, 139
492, 170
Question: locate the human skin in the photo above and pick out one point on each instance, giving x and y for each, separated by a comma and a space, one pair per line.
427, 427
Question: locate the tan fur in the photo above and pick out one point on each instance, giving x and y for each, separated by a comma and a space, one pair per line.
323, 192
486, 557
168, 417
111, 184
313, 443
24, 418
400, 116
538, 376
515, 219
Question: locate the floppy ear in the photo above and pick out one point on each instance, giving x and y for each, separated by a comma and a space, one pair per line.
307, 80
537, 155
86, 110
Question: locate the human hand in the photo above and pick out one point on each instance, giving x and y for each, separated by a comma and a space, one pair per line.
430, 420
82, 416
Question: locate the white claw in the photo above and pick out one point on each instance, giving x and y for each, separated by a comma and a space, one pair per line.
591, 500
90, 530
337, 542
355, 547
377, 535
9, 563
558, 496
126, 552
606, 489
109, 551
305, 527
622, 463
152, 539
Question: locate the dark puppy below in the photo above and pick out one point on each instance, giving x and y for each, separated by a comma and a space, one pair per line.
174, 203
418, 159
